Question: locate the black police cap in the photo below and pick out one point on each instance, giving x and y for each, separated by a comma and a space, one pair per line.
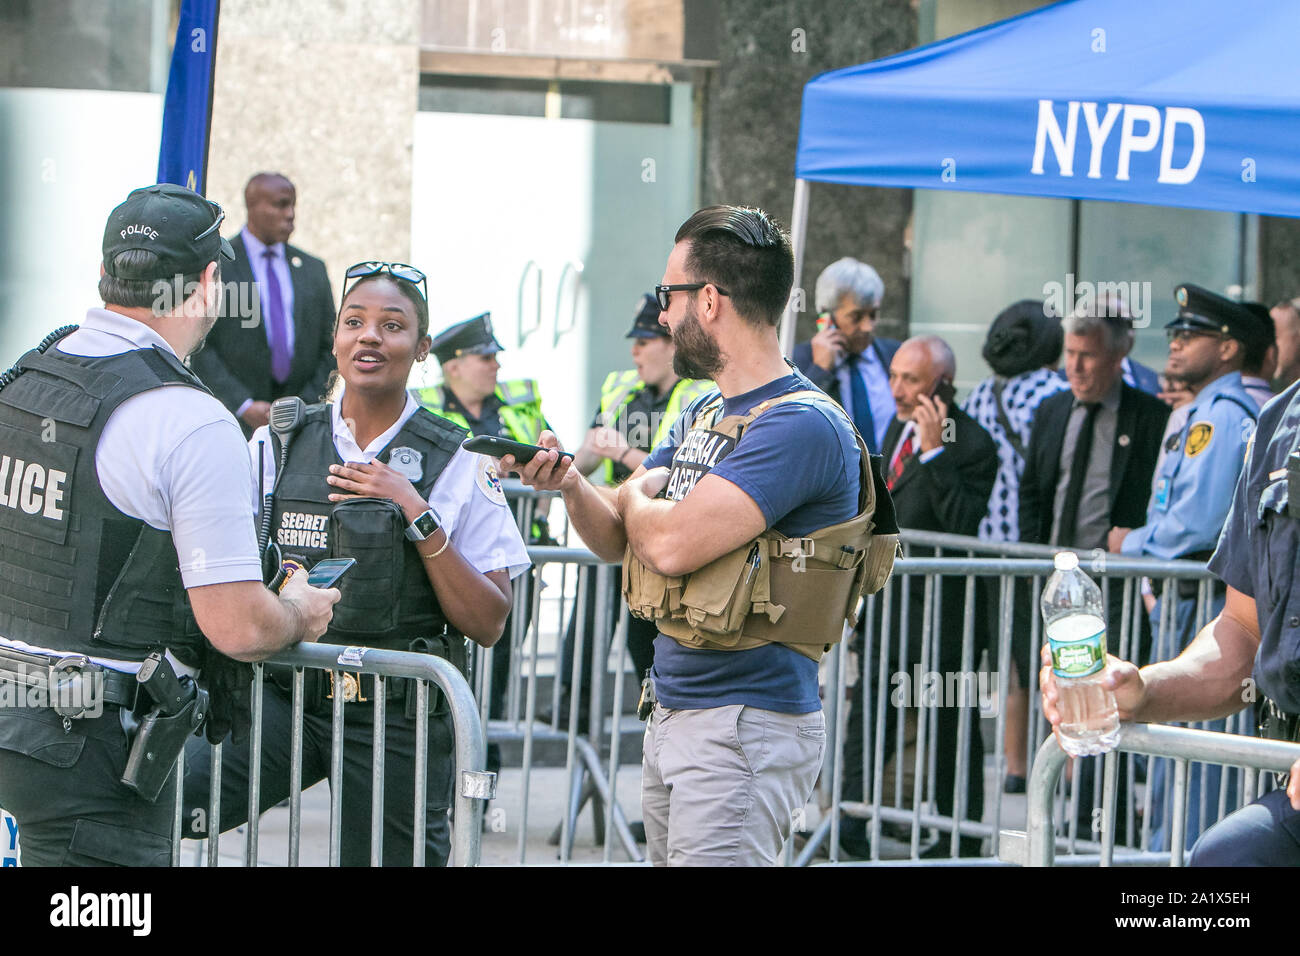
646, 324
471, 337
166, 220
1200, 310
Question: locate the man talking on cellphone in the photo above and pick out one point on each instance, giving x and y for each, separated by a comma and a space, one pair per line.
940, 466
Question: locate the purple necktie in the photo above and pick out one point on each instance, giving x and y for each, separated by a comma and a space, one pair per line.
281, 356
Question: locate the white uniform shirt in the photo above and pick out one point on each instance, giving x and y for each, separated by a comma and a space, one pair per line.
467, 495
172, 457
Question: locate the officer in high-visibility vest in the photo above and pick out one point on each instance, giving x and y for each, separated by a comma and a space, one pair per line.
638, 405
637, 408
470, 394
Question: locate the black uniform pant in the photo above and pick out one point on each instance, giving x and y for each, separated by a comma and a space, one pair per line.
399, 777
63, 789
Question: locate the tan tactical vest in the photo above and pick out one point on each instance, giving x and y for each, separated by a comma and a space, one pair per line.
774, 589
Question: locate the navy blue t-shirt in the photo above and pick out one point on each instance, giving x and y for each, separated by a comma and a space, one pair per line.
799, 463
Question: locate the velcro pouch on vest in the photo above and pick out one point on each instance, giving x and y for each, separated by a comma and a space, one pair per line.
719, 597
370, 530
650, 596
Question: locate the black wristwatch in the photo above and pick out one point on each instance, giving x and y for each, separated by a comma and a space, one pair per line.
423, 526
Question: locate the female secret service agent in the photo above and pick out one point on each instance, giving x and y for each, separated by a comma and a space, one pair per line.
373, 476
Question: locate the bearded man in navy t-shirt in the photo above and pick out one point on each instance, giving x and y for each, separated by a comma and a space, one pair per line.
734, 744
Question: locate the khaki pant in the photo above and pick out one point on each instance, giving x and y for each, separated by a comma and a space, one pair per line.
722, 786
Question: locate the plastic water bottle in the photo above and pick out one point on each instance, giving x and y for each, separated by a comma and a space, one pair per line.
1076, 633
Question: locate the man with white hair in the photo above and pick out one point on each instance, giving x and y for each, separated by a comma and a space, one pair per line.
845, 359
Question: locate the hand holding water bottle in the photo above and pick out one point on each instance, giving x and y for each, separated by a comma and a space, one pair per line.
1079, 680
1123, 679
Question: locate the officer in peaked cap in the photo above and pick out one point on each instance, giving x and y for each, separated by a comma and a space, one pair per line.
1204, 312
471, 396
471, 337
1208, 343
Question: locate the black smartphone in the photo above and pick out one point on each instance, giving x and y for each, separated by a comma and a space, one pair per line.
944, 391
497, 447
326, 573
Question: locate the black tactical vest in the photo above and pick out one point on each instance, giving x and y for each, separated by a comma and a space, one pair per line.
387, 600
76, 574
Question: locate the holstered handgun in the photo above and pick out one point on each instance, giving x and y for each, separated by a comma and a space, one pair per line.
180, 707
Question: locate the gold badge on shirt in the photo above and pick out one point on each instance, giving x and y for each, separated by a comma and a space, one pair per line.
1198, 438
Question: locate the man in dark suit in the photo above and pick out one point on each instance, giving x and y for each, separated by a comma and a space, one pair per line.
845, 359
276, 331
1088, 468
941, 466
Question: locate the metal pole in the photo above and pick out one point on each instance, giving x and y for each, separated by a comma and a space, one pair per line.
214, 805
798, 237
421, 771
295, 767
254, 770
377, 771
336, 771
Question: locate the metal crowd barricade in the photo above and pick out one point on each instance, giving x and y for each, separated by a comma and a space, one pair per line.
906, 810
473, 786
528, 733
1037, 845
906, 813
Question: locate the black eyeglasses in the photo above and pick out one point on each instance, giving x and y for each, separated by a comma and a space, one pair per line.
216, 223
398, 270
664, 292
1186, 335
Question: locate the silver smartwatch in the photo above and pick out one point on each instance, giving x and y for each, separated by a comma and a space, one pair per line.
423, 526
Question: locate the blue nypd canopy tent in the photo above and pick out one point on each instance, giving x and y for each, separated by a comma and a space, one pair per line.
1169, 102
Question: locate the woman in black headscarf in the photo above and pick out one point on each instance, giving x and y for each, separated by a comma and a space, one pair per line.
1023, 348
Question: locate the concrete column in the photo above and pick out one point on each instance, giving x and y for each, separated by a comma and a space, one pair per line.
767, 52
325, 94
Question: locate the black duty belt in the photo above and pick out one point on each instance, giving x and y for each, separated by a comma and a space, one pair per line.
27, 669
1274, 723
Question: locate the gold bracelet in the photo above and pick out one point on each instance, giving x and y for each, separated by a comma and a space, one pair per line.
446, 540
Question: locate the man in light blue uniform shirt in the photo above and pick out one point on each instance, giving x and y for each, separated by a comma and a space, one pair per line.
1208, 341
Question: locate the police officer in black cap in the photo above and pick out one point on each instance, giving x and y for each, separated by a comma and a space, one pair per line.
126, 502
637, 408
470, 394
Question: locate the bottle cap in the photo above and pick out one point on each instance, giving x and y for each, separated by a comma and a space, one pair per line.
1066, 560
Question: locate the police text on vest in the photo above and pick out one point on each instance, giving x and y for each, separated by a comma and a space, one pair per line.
32, 487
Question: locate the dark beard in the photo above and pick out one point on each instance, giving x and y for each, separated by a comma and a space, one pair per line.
697, 355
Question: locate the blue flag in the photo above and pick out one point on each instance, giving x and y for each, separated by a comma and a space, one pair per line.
187, 110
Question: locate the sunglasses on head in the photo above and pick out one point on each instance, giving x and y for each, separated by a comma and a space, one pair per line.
216, 223
398, 270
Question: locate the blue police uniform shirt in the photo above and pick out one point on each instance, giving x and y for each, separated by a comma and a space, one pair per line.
1258, 549
799, 463
1193, 488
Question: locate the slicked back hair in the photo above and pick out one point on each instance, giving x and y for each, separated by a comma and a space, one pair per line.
746, 252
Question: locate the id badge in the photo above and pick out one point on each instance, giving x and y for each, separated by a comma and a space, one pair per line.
1162, 494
